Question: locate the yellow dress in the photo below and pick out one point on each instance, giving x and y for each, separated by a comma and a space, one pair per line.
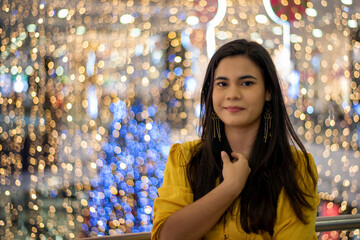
176, 193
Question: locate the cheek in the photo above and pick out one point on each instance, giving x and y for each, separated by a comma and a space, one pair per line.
257, 101
215, 97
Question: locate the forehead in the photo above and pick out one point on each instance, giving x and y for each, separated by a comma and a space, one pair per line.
238, 64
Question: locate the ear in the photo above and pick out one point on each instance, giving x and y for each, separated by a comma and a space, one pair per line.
267, 96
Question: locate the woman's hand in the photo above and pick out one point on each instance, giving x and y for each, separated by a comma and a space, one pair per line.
198, 218
235, 173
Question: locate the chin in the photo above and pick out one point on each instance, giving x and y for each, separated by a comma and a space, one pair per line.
236, 125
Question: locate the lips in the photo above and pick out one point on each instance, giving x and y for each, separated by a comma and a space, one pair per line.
234, 109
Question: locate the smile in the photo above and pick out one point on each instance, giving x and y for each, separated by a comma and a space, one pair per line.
234, 109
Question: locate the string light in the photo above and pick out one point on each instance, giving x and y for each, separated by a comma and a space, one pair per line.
93, 95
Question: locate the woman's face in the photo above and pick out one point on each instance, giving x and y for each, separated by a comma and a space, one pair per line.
239, 92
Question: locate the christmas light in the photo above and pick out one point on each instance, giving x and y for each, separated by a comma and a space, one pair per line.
93, 95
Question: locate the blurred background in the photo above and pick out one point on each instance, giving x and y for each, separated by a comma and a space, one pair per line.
93, 94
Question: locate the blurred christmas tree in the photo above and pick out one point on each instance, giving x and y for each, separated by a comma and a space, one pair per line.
130, 166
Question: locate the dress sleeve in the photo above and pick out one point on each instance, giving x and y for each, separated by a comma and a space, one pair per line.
175, 192
287, 225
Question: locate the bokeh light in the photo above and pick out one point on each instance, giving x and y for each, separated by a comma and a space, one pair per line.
94, 93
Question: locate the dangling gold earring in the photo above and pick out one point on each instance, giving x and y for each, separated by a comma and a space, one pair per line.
267, 118
216, 125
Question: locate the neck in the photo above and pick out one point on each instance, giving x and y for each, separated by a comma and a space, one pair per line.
241, 140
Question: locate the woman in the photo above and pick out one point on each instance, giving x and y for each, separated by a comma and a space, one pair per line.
242, 179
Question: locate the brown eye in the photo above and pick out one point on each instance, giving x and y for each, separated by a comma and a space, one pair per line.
221, 84
247, 83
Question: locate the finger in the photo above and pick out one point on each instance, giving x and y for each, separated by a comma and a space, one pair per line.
225, 157
236, 155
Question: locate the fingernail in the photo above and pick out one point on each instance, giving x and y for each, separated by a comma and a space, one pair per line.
222, 153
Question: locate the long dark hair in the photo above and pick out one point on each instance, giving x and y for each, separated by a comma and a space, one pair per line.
272, 164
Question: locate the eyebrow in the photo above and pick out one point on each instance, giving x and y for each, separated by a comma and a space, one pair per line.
239, 78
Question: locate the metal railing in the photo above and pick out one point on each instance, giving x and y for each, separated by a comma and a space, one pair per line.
341, 222
128, 236
323, 224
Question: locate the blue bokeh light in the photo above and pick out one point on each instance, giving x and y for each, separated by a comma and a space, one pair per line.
130, 170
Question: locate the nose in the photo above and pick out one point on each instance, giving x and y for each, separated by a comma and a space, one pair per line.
233, 93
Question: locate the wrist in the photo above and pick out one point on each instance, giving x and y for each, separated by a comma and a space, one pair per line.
232, 188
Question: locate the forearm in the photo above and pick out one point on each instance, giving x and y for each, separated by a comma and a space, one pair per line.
196, 219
